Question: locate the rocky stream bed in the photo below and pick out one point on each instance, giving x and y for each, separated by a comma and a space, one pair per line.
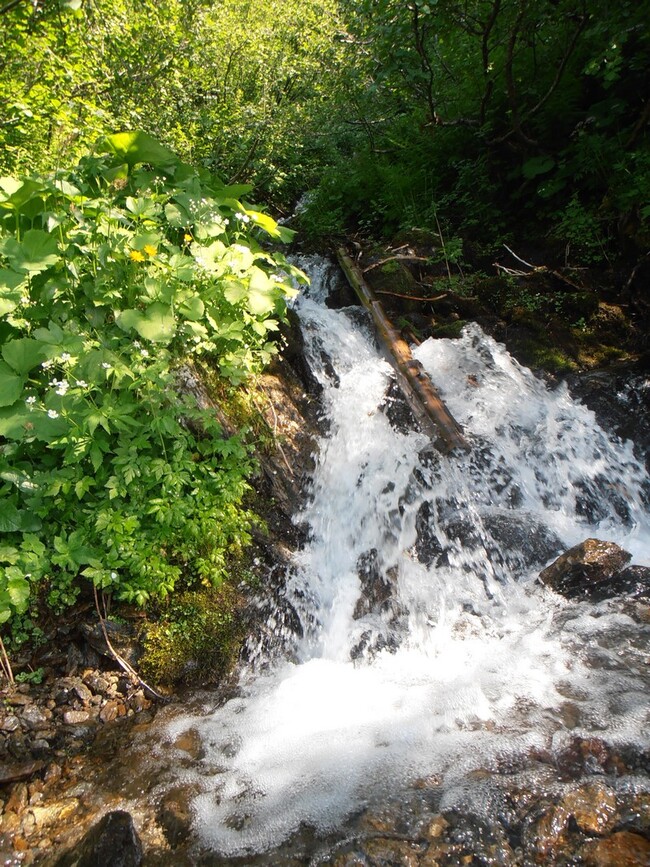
78, 785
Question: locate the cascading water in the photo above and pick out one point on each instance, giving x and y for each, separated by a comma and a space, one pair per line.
427, 649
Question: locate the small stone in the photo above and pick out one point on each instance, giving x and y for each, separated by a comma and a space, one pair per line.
139, 702
175, 816
54, 812
20, 844
34, 718
74, 717
18, 799
10, 723
53, 773
96, 682
623, 849
109, 712
190, 742
83, 692
593, 807
9, 823
437, 827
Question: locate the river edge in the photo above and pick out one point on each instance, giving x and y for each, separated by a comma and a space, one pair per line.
52, 793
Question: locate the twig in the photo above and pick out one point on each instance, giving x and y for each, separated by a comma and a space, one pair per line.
411, 297
400, 257
523, 261
120, 659
5, 664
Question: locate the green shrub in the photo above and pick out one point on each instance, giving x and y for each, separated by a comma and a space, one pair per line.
110, 275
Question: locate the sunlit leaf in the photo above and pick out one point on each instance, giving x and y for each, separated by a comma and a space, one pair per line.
23, 354
37, 252
11, 385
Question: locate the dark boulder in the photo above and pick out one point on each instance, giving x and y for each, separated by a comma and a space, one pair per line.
111, 842
590, 570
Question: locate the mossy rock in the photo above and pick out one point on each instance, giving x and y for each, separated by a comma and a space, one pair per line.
196, 639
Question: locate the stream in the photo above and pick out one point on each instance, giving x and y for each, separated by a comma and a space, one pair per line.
428, 672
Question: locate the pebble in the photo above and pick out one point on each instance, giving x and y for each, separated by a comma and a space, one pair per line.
74, 717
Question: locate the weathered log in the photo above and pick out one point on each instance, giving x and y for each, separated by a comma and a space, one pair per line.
420, 393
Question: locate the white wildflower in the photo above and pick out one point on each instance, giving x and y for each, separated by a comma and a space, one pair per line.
52, 413
62, 387
144, 353
65, 356
81, 383
30, 401
47, 364
106, 365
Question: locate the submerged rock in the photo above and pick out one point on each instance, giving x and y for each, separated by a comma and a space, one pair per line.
111, 842
587, 570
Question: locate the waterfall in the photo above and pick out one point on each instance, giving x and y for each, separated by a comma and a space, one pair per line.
428, 648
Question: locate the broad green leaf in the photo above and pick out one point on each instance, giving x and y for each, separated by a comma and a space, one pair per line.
10, 280
17, 588
156, 323
16, 421
177, 216
9, 185
192, 308
37, 252
239, 257
183, 267
235, 291
139, 147
143, 208
261, 294
9, 517
210, 257
264, 222
537, 166
11, 385
56, 341
23, 354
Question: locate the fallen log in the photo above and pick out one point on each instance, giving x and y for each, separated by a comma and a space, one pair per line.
420, 393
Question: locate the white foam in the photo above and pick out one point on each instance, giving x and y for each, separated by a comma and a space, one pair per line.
477, 657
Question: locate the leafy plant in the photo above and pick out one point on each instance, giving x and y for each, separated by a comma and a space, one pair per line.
110, 275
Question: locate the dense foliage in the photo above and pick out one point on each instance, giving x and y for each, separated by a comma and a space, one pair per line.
495, 118
479, 121
109, 276
236, 86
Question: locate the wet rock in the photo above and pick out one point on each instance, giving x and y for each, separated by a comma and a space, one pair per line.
634, 581
534, 543
593, 808
111, 842
586, 570
57, 811
376, 591
427, 546
175, 814
623, 849
18, 799
391, 853
10, 773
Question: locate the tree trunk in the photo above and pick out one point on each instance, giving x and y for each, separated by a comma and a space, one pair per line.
420, 393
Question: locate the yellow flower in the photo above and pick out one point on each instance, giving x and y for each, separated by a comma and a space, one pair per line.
150, 250
187, 238
136, 256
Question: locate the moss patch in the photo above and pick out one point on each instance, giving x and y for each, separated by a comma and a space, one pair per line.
196, 639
